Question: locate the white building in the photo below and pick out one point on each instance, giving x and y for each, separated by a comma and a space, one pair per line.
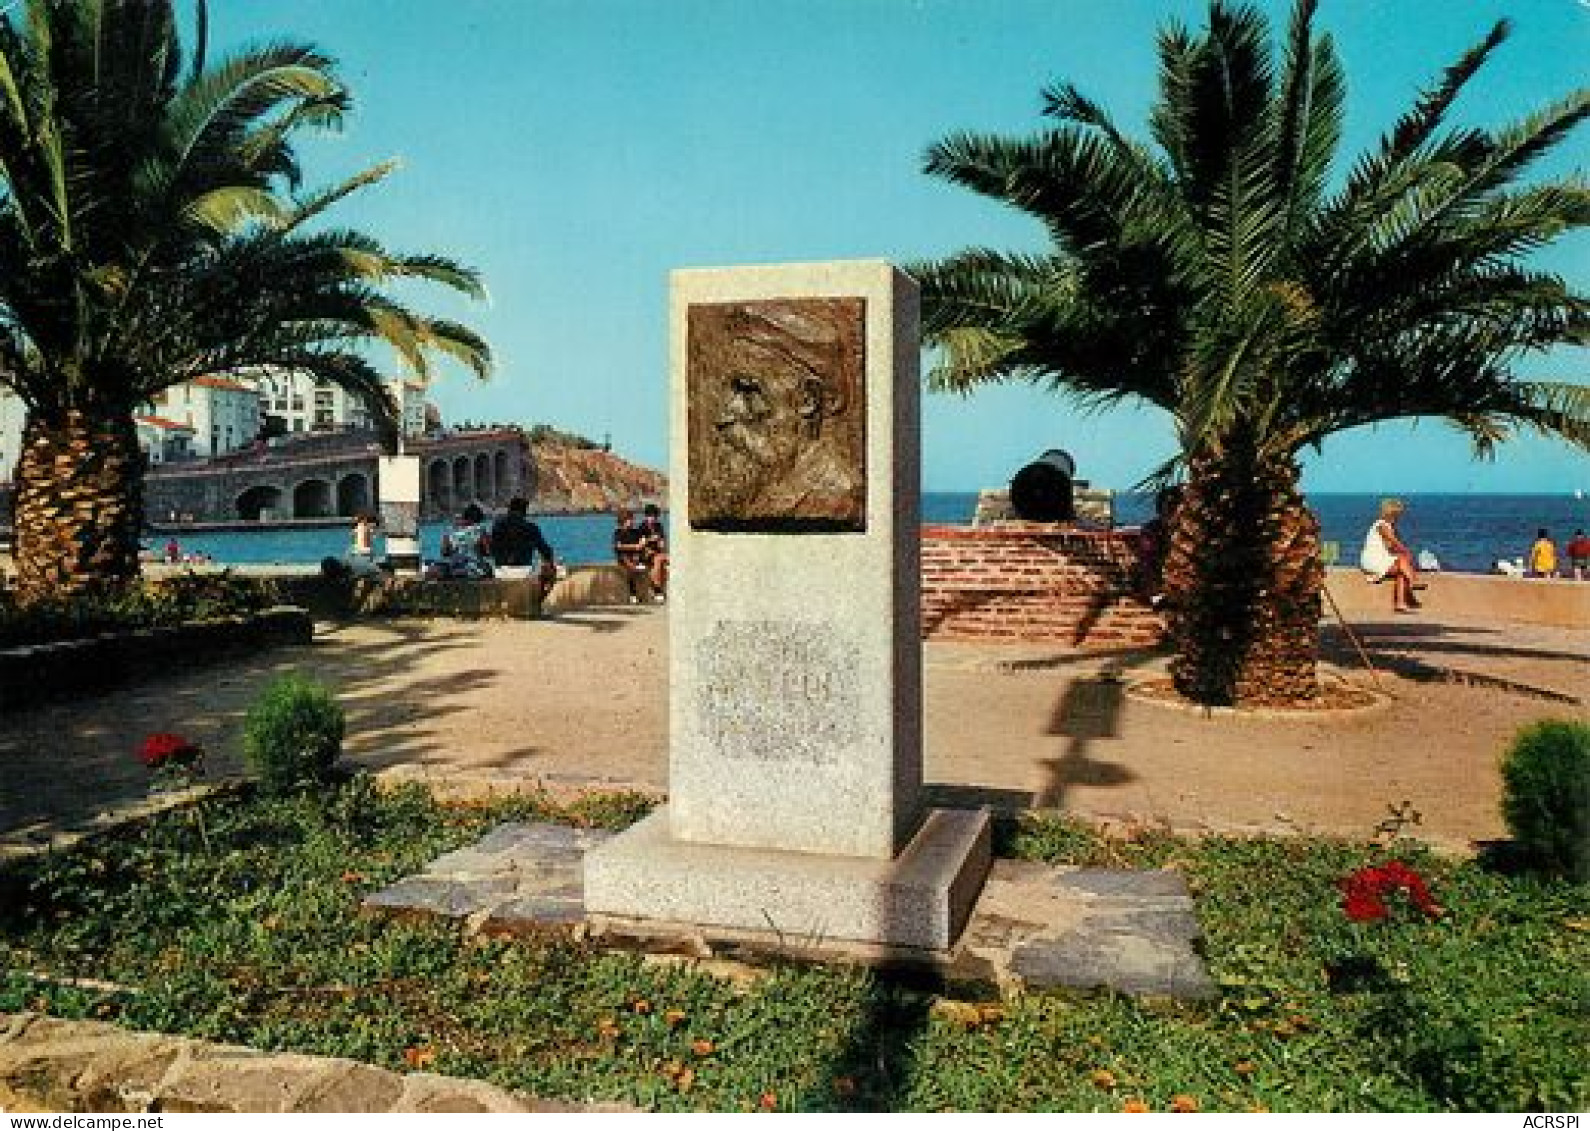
13, 415
414, 416
224, 414
162, 440
305, 404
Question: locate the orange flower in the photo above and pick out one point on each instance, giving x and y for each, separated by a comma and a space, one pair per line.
641, 1006
1103, 1078
674, 1017
702, 1047
419, 1056
352, 878
1134, 1105
1244, 1068
1183, 1102
767, 1101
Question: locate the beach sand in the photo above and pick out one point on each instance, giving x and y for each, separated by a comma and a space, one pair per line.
583, 698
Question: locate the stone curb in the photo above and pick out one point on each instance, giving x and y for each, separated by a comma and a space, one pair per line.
460, 787
65, 668
92, 1066
20, 844
1142, 691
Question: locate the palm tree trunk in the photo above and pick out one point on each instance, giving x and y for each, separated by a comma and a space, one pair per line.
79, 506
1242, 583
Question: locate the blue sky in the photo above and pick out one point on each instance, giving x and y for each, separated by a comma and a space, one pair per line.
576, 151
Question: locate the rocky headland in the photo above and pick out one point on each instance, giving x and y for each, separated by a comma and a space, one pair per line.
571, 479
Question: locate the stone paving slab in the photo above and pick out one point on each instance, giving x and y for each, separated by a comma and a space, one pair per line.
1034, 925
520, 876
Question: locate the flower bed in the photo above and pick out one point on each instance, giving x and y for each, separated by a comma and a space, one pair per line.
257, 940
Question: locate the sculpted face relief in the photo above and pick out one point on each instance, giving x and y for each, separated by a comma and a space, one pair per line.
777, 419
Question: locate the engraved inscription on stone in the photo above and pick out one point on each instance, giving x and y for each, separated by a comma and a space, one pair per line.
777, 415
773, 691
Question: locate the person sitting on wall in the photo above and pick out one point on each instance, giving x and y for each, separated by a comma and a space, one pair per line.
466, 548
629, 546
361, 554
1385, 557
654, 551
516, 542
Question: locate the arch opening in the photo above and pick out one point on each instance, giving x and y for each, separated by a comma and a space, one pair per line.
312, 499
260, 503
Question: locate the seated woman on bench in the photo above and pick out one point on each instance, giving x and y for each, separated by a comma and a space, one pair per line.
1384, 556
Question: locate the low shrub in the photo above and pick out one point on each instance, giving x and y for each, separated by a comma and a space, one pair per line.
1546, 795
293, 735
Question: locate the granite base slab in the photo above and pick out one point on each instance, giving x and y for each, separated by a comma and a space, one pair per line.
920, 899
1034, 926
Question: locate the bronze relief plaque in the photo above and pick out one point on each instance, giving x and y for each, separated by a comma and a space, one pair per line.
776, 405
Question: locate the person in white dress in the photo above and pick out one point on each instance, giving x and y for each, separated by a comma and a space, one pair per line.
1385, 557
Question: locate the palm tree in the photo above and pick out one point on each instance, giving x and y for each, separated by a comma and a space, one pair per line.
151, 232
1224, 275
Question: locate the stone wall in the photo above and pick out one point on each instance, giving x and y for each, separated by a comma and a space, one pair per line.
1554, 602
1033, 582
49, 1064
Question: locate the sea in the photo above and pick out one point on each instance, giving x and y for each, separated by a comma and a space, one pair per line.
1466, 533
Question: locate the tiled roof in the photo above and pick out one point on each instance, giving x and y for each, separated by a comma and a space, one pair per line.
162, 422
223, 383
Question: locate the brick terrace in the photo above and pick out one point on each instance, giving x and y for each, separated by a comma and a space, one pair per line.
1026, 581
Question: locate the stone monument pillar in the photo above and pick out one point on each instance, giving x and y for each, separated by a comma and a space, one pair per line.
795, 678
398, 488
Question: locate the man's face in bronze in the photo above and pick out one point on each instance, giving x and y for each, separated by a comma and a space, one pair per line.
758, 427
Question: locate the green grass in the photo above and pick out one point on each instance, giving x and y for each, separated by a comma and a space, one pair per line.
257, 941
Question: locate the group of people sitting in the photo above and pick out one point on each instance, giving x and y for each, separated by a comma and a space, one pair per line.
507, 548
510, 546
642, 554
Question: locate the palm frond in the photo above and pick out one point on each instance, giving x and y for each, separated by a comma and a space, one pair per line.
224, 209
317, 203
1415, 128
1312, 97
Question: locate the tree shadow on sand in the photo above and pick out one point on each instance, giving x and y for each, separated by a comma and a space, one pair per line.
68, 761
1431, 653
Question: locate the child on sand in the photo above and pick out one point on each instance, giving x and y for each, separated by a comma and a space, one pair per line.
1542, 556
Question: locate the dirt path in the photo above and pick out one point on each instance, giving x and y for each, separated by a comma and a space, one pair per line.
583, 697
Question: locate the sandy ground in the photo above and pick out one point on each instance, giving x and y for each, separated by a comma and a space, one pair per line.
583, 697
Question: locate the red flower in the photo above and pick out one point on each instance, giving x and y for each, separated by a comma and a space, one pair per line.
1363, 906
1364, 892
160, 751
